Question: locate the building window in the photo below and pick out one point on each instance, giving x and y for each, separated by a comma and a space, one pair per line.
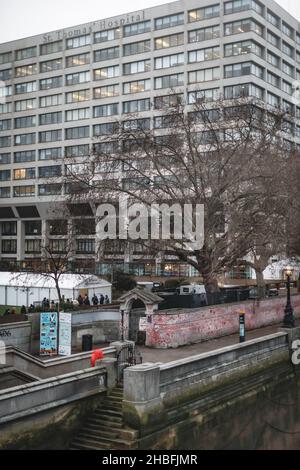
85, 246
288, 69
243, 26
24, 191
169, 61
49, 171
108, 35
286, 29
106, 54
50, 136
4, 192
137, 67
273, 100
51, 65
9, 246
57, 246
32, 246
204, 13
77, 151
137, 86
242, 48
5, 158
5, 91
273, 59
25, 139
136, 124
242, 5
245, 90
140, 47
212, 94
77, 133
50, 154
26, 70
287, 49
8, 228
169, 81
5, 108
287, 87
28, 87
204, 34
77, 60
5, 74
106, 110
28, 121
79, 41
51, 48
107, 72
168, 101
5, 58
273, 19
136, 106
137, 28
169, 41
25, 53
76, 78
106, 128
273, 79
77, 96
52, 100
50, 118
273, 39
211, 53
5, 141
199, 76
49, 189
77, 114
25, 105
27, 156
48, 83
108, 91
24, 174
5, 125
245, 68
4, 175
169, 21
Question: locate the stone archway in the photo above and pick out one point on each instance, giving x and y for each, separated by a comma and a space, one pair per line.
135, 305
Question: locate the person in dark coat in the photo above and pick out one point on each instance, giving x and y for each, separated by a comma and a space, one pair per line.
106, 299
86, 300
95, 300
80, 300
101, 299
23, 310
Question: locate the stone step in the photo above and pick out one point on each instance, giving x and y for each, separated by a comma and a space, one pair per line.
115, 397
108, 412
113, 406
127, 434
106, 421
86, 440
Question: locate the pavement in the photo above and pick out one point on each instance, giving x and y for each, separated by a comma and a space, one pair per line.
168, 355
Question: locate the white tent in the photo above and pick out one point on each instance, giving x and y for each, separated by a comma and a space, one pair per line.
17, 289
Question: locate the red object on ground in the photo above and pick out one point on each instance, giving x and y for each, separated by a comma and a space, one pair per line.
97, 354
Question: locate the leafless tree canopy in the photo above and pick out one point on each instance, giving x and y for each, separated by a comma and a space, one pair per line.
233, 157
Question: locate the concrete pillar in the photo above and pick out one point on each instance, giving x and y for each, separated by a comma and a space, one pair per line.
20, 240
142, 405
110, 363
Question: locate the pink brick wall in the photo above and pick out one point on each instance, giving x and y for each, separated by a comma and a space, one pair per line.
177, 328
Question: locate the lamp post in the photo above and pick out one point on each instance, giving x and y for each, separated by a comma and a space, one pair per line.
122, 326
289, 320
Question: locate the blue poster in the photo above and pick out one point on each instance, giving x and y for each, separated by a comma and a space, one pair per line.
48, 333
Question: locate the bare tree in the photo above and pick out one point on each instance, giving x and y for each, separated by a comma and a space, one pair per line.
229, 156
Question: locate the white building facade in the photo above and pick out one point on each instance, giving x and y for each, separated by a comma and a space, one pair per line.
61, 90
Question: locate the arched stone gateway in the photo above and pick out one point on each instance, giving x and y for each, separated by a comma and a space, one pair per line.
137, 307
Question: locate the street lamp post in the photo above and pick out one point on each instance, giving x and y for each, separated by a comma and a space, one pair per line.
289, 320
122, 326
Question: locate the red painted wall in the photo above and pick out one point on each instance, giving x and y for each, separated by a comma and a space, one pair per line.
174, 328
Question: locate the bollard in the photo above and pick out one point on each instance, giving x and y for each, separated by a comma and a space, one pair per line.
242, 326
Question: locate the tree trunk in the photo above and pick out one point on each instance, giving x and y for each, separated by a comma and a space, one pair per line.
260, 282
210, 282
58, 290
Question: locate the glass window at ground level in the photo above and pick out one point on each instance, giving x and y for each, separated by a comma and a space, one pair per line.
9, 246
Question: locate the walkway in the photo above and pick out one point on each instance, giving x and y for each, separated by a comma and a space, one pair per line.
168, 355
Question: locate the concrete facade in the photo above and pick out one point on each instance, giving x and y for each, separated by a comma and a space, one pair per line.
56, 82
17, 335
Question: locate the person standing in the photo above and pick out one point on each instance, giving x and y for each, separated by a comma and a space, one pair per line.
101, 299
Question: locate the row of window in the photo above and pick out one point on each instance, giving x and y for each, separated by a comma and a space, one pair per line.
56, 246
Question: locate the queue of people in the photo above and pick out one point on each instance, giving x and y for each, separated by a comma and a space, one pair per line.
102, 300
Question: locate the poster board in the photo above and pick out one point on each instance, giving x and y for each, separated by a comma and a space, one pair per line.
65, 334
48, 333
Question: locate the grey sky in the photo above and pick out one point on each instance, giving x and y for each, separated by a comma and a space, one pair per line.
22, 18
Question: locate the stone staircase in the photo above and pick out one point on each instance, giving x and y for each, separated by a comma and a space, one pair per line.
105, 429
